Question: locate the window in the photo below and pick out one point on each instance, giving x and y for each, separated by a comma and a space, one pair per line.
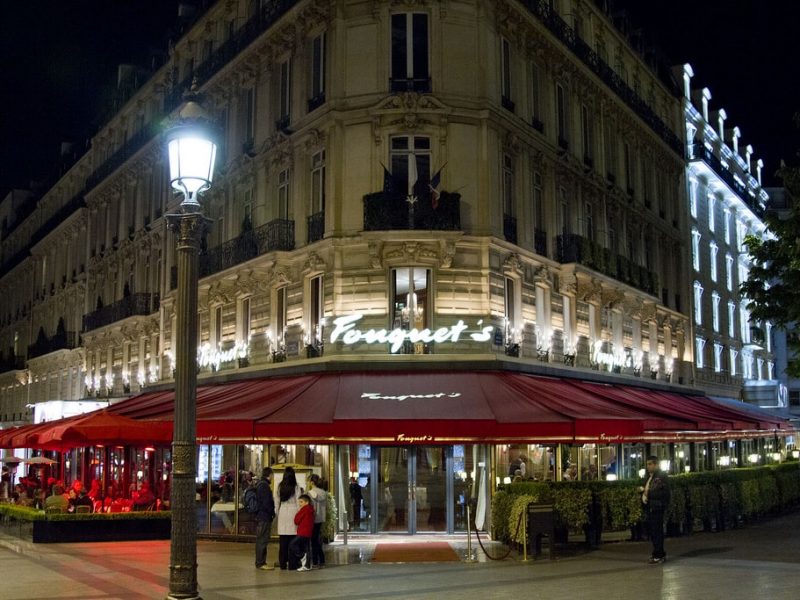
715, 310
695, 249
410, 53
411, 303
712, 248
511, 306
744, 323
216, 333
411, 163
285, 94
280, 316
699, 347
538, 202
589, 223
729, 272
318, 182
586, 140
731, 319
505, 72
726, 225
717, 357
626, 157
249, 109
317, 72
316, 312
693, 197
732, 354
536, 98
283, 194
244, 320
768, 336
712, 211
741, 231
563, 215
698, 303
508, 185
561, 116
744, 273
247, 210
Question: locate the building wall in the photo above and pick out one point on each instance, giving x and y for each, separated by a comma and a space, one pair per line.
572, 240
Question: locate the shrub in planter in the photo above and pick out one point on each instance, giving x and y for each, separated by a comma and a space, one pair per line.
621, 505
787, 478
21, 513
517, 512
571, 503
501, 508
677, 512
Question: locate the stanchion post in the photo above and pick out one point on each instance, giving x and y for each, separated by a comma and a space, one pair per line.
525, 535
470, 558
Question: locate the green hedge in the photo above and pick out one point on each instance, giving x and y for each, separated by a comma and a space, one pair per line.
25, 513
713, 496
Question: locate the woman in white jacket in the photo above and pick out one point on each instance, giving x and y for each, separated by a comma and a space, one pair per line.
286, 508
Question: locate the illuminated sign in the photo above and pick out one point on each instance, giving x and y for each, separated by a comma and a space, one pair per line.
400, 398
208, 356
345, 328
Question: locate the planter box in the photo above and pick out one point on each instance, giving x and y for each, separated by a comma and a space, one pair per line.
111, 530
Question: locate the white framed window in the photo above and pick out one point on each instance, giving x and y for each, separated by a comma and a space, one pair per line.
316, 309
285, 90
318, 60
283, 194
695, 249
768, 336
411, 162
731, 319
741, 231
279, 316
712, 250
411, 302
244, 320
693, 184
729, 272
715, 310
726, 215
732, 356
744, 272
410, 52
512, 301
744, 323
698, 303
699, 349
318, 182
717, 357
712, 212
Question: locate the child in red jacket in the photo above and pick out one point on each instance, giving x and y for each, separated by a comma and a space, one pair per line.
300, 546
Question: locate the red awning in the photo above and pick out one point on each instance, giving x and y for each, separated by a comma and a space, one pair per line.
445, 407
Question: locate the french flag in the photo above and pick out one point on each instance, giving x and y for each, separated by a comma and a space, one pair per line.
434, 187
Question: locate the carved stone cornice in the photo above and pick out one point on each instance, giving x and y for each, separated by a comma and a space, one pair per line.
410, 251
589, 290
313, 264
513, 264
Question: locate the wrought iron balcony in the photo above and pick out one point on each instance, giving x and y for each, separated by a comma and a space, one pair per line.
574, 248
700, 151
385, 213
316, 226
275, 235
66, 340
510, 228
419, 85
129, 306
540, 242
128, 149
12, 363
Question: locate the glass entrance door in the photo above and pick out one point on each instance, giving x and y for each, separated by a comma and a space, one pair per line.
412, 489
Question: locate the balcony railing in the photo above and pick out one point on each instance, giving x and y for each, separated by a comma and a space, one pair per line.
15, 363
419, 85
61, 341
385, 213
700, 151
275, 235
128, 149
135, 304
563, 32
316, 227
510, 228
574, 248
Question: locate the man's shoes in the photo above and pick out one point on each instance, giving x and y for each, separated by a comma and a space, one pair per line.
267, 567
303, 568
304, 562
657, 561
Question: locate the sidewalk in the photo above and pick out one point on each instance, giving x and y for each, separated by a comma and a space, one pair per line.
760, 561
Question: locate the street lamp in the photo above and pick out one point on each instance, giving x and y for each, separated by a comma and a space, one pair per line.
192, 149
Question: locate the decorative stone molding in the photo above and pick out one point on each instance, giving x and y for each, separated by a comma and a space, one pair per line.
411, 251
374, 248
313, 264
447, 251
513, 264
589, 290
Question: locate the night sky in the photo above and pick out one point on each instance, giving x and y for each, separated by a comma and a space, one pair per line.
57, 60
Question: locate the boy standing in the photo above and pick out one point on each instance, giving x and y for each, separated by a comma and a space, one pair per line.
300, 546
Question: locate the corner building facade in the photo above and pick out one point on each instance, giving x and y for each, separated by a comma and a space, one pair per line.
423, 189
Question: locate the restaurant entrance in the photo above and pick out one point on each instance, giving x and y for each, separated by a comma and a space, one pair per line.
413, 489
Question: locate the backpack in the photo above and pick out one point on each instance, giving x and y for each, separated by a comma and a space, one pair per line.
251, 500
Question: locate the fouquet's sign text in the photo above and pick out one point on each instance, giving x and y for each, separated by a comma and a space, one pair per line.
345, 328
401, 397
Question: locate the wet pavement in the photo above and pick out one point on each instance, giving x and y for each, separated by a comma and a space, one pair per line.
759, 561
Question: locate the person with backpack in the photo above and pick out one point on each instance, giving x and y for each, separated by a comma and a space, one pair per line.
260, 501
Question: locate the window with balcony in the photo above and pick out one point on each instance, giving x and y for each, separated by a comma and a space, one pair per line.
712, 252
729, 272
284, 94
715, 311
588, 212
698, 303
411, 307
699, 349
505, 74
586, 138
627, 167
695, 249
561, 116
693, 184
539, 228
248, 118
411, 163
537, 110
717, 357
410, 53
317, 74
318, 182
564, 219
726, 225
712, 212
732, 355
731, 319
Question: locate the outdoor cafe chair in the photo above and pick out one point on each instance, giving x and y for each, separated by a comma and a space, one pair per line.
83, 509
54, 510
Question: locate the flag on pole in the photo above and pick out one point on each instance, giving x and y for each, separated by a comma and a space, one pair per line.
434, 187
412, 173
389, 185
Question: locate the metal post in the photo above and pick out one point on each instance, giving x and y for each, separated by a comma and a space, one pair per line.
525, 535
470, 557
190, 227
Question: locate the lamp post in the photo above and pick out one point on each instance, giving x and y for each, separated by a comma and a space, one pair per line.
192, 150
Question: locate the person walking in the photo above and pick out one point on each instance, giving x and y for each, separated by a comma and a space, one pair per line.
319, 500
300, 546
286, 506
655, 497
264, 517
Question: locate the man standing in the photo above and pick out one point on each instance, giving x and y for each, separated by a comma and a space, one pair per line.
264, 516
655, 497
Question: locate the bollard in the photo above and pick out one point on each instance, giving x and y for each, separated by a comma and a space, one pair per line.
470, 557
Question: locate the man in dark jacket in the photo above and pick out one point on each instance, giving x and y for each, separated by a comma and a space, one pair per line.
655, 497
264, 516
